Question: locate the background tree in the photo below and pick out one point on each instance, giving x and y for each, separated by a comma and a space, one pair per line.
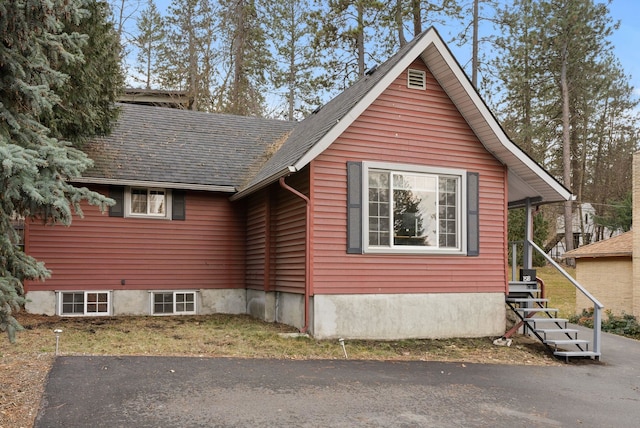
408, 18
560, 84
243, 39
36, 168
150, 38
187, 61
295, 66
345, 30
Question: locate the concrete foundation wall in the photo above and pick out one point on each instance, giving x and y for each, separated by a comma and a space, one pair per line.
137, 302
373, 316
285, 308
403, 316
41, 302
231, 301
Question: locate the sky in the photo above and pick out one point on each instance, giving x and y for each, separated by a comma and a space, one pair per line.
626, 40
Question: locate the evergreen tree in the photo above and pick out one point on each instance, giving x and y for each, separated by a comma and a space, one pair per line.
36, 168
345, 30
247, 58
187, 59
294, 63
150, 38
86, 107
565, 98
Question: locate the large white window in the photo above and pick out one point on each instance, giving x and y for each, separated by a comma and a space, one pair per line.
410, 208
84, 303
173, 302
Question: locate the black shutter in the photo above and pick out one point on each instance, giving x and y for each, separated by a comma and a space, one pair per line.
473, 215
178, 205
117, 194
354, 207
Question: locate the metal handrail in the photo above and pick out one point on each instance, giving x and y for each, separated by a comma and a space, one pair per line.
597, 306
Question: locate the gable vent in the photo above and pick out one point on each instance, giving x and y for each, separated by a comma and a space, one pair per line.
416, 79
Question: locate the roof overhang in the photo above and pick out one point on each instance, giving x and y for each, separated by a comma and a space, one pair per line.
527, 179
264, 183
160, 184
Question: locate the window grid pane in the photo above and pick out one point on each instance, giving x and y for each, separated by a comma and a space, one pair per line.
156, 202
185, 302
97, 303
163, 303
379, 213
72, 303
448, 213
138, 201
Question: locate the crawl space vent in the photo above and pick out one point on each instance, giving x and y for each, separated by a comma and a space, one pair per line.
416, 79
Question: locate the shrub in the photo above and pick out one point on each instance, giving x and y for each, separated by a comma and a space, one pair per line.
623, 325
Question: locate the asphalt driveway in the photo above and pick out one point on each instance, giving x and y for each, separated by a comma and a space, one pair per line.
227, 392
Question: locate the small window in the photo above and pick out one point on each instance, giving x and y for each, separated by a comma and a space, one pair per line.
173, 302
416, 79
148, 202
84, 303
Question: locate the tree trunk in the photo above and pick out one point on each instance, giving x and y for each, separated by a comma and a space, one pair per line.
360, 40
416, 12
399, 23
474, 59
566, 153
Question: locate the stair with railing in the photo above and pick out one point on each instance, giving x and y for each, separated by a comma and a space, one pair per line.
526, 299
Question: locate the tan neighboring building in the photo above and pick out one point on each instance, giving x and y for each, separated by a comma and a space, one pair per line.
605, 268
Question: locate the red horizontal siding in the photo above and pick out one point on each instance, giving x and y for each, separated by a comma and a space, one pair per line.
289, 235
412, 127
96, 252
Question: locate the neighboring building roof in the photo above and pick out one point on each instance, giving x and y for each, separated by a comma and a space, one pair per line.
155, 97
527, 179
618, 246
182, 149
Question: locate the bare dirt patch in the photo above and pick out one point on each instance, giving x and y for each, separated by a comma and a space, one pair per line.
24, 366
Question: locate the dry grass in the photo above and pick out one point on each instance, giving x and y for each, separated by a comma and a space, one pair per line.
560, 292
24, 365
236, 336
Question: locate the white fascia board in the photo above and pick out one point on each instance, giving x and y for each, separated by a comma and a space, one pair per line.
264, 183
493, 124
366, 101
158, 184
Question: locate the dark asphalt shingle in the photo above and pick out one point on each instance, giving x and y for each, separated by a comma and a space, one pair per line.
178, 146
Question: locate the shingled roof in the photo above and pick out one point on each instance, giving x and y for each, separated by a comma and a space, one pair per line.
618, 246
182, 149
240, 155
527, 179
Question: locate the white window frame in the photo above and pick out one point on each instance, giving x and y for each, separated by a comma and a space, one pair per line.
128, 202
85, 313
152, 295
461, 202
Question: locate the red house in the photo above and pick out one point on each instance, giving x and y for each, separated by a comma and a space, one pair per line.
382, 215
